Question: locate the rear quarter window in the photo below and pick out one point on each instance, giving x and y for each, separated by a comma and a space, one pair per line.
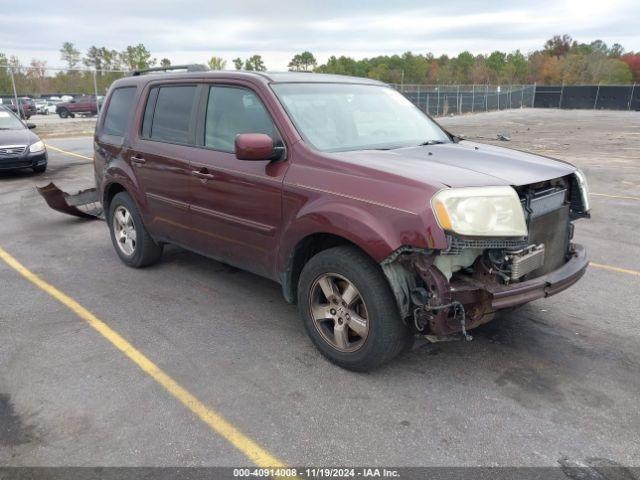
117, 118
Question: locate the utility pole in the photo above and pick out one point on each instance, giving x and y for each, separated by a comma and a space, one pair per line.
95, 88
15, 92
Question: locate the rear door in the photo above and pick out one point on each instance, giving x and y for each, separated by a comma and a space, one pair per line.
159, 157
236, 205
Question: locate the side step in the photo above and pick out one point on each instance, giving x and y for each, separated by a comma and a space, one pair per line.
84, 204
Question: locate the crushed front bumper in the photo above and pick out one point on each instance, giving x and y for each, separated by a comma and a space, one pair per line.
505, 296
479, 295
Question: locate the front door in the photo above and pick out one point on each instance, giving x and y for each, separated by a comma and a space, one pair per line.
236, 205
159, 157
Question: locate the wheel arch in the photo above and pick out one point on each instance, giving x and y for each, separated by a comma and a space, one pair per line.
111, 191
304, 250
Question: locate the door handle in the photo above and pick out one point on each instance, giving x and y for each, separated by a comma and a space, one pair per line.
137, 160
203, 174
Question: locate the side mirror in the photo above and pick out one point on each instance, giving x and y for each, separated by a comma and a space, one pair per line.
254, 146
31, 126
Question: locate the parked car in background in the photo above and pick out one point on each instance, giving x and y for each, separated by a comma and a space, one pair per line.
26, 109
19, 146
41, 106
85, 105
52, 105
380, 224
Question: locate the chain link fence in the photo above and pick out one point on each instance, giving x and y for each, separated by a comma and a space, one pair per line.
439, 100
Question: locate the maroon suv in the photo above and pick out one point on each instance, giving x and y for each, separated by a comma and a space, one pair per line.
376, 221
85, 104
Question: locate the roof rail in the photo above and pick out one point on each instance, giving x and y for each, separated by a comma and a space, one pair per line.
188, 68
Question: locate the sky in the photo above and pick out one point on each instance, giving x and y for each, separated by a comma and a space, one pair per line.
192, 31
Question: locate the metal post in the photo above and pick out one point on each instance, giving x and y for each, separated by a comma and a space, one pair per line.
631, 96
521, 96
458, 101
95, 88
561, 95
486, 97
595, 104
15, 92
499, 92
428, 106
473, 97
533, 95
510, 88
438, 104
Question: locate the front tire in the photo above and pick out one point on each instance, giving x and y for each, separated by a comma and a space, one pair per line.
64, 113
349, 310
132, 242
40, 168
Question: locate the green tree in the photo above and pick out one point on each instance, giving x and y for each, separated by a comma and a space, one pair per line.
165, 63
137, 57
462, 66
255, 63
516, 69
558, 45
217, 63
70, 55
616, 50
5, 78
303, 62
496, 62
93, 58
238, 63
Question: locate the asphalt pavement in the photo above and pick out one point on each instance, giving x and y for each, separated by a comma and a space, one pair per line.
557, 378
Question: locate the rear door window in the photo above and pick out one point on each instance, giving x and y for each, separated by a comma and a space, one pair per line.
116, 121
172, 119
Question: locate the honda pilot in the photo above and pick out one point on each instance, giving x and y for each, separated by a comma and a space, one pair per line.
376, 221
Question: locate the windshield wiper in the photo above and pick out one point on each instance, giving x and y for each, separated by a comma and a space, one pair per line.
431, 142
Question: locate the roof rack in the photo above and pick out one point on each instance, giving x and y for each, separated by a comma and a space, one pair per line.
188, 68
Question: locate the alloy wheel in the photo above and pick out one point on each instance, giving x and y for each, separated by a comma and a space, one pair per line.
124, 230
339, 312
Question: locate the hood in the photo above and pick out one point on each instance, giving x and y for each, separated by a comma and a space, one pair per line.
17, 137
463, 164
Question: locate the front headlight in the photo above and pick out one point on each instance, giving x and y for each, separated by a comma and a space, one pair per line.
584, 189
37, 147
480, 211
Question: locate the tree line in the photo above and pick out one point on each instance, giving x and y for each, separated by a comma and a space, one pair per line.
562, 60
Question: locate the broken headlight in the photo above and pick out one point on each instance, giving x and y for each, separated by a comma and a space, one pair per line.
480, 211
584, 189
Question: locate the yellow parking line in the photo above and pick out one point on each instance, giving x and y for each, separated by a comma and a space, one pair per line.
615, 269
614, 196
68, 153
254, 452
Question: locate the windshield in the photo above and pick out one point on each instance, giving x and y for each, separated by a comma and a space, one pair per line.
8, 121
335, 117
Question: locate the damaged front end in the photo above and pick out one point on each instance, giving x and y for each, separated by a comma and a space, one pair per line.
442, 292
84, 204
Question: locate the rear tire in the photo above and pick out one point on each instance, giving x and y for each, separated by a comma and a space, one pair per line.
130, 239
386, 335
64, 113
